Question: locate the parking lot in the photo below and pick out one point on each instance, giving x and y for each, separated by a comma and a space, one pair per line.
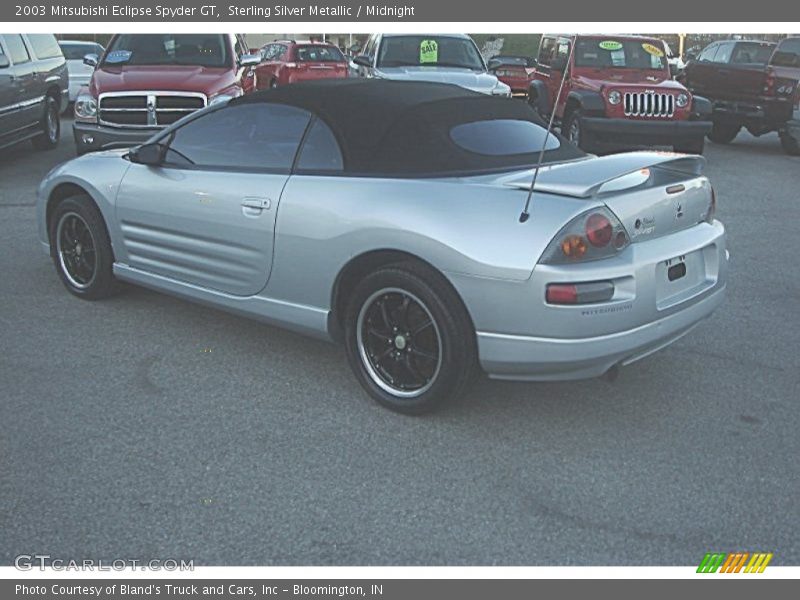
149, 427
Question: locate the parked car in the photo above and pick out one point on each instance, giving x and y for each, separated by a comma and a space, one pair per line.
389, 216
33, 89
288, 61
751, 84
515, 71
79, 72
617, 93
444, 58
144, 82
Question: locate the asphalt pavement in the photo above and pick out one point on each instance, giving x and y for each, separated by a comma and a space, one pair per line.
149, 427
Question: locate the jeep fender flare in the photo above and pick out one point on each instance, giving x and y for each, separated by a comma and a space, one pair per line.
538, 96
701, 108
590, 103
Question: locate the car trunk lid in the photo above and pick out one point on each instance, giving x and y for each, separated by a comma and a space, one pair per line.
652, 194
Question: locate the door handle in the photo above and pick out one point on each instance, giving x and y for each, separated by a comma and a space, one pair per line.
256, 204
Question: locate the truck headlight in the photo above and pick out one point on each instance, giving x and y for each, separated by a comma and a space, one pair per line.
86, 108
682, 101
225, 96
614, 97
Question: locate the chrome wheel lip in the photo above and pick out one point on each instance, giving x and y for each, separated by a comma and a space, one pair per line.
373, 374
65, 269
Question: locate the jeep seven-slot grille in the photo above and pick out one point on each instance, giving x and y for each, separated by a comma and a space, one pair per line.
147, 109
649, 104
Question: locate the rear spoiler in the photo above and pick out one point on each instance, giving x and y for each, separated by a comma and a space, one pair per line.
584, 178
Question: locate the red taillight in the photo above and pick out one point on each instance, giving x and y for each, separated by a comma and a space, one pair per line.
290, 65
562, 293
599, 230
769, 82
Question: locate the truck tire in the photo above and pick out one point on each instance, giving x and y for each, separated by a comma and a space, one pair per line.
572, 129
50, 126
693, 147
791, 145
724, 132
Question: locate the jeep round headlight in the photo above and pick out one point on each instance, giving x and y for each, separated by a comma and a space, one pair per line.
86, 107
682, 100
614, 97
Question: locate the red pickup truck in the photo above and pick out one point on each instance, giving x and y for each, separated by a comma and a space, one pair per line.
752, 84
144, 82
617, 93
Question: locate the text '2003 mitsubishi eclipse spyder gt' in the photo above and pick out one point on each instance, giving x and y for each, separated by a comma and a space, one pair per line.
387, 215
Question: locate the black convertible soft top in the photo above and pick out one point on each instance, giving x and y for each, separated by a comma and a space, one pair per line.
404, 128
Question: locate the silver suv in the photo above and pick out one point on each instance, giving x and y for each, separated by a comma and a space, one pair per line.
440, 57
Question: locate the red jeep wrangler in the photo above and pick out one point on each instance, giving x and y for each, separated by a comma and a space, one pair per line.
618, 93
144, 82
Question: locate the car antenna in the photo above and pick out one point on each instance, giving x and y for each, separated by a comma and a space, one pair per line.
525, 214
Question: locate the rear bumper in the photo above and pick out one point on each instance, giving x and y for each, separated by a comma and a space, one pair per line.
90, 137
630, 131
762, 110
547, 359
647, 313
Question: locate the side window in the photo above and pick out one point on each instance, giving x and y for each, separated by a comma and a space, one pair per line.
546, 51
16, 49
256, 136
44, 45
266, 51
320, 150
724, 53
280, 52
707, 55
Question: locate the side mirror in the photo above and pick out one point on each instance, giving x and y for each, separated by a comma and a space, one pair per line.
363, 61
91, 60
690, 56
355, 49
4, 62
249, 60
492, 64
151, 154
532, 63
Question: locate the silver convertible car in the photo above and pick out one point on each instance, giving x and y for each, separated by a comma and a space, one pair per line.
391, 216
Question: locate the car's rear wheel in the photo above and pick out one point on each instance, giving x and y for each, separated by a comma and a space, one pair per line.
81, 249
723, 132
790, 144
50, 126
409, 339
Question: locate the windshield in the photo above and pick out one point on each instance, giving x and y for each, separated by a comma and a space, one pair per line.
787, 53
319, 54
429, 51
204, 50
608, 53
78, 51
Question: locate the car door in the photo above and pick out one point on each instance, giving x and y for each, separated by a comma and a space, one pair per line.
26, 108
8, 97
206, 216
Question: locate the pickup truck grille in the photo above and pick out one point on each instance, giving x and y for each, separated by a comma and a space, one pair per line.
147, 110
649, 104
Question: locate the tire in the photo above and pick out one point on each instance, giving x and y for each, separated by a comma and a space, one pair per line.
693, 147
430, 353
790, 144
81, 249
572, 130
50, 126
724, 132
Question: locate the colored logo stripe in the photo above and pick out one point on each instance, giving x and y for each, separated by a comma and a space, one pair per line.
734, 562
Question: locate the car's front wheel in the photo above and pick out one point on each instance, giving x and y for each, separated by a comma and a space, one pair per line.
409, 339
572, 129
81, 249
50, 126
